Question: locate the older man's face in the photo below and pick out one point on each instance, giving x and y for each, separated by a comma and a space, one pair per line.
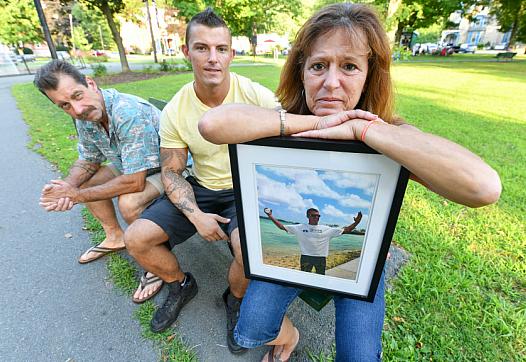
77, 100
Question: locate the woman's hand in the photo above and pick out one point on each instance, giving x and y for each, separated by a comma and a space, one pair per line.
337, 119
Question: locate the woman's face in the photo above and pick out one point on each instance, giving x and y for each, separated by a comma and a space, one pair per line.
335, 73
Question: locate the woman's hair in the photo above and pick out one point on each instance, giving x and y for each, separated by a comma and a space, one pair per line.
358, 20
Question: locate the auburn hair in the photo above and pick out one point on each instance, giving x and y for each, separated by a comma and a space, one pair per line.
359, 21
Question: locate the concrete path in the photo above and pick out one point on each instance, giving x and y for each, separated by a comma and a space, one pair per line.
54, 309
345, 270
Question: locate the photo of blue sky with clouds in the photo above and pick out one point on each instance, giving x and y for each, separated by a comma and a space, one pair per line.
338, 195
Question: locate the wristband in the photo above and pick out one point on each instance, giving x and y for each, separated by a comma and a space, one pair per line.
282, 122
366, 128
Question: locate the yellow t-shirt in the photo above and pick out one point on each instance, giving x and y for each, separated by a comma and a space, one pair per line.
179, 121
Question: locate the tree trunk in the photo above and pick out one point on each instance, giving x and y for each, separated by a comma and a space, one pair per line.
398, 34
116, 36
514, 29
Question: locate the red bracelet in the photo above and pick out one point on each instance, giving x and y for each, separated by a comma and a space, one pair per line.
364, 131
362, 137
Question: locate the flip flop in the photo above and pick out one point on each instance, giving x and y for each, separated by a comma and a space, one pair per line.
101, 250
144, 282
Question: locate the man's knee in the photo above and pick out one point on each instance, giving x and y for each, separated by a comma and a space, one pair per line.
130, 207
138, 237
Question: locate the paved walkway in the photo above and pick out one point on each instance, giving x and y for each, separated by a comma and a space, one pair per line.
54, 309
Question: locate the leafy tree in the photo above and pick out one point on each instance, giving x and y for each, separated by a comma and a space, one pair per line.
57, 18
91, 21
109, 9
244, 17
415, 14
19, 22
79, 39
511, 15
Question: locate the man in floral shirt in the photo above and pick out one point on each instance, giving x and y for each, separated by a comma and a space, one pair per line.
118, 157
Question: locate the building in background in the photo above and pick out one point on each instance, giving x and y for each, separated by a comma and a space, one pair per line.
483, 29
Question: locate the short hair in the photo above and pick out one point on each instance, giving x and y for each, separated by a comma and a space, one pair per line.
47, 76
356, 19
207, 18
311, 210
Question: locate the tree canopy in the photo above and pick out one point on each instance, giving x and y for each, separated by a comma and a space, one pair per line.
415, 14
19, 22
244, 16
511, 15
109, 9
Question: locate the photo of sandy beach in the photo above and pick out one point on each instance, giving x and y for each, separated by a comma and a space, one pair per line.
314, 220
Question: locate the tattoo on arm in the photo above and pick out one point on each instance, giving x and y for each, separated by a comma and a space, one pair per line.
183, 196
89, 168
177, 188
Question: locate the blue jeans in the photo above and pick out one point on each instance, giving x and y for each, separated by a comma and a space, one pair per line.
358, 323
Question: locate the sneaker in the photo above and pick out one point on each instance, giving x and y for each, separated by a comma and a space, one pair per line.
232, 305
177, 297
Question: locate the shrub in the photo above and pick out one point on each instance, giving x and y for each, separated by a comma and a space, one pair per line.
99, 70
62, 48
400, 53
27, 50
99, 59
188, 64
148, 69
164, 66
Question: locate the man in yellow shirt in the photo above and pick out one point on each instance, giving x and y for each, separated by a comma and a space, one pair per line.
203, 202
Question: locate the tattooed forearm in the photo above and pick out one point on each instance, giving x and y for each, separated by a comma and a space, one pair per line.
88, 167
178, 190
169, 157
80, 172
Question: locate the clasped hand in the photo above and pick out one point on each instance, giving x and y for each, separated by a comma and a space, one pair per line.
58, 196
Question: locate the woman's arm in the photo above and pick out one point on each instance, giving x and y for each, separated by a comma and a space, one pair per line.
237, 123
442, 166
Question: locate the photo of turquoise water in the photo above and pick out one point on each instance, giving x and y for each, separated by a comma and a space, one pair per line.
278, 243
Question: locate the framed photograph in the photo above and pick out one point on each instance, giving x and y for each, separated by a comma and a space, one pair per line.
316, 214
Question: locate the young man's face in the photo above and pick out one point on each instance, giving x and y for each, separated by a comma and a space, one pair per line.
314, 217
77, 100
210, 52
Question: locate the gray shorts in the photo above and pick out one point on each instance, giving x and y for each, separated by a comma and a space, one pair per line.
153, 176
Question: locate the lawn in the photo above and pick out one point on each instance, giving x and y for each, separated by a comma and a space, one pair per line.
462, 296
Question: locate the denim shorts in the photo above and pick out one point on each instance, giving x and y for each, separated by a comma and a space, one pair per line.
176, 225
358, 324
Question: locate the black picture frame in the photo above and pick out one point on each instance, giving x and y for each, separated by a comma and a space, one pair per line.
340, 176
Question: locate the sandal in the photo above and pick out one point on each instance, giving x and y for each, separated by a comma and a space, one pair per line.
101, 250
146, 281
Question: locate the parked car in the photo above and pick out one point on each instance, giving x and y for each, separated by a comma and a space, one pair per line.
428, 48
467, 48
502, 46
98, 53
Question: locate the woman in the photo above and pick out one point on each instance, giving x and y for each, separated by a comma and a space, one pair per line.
336, 84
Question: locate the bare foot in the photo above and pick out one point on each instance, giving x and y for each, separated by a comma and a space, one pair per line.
149, 286
282, 352
114, 244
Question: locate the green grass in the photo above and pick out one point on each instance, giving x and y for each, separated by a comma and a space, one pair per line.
462, 296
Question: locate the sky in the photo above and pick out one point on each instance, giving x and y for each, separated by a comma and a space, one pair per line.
290, 191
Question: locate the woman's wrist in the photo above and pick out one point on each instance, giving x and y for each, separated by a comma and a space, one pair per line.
366, 126
296, 123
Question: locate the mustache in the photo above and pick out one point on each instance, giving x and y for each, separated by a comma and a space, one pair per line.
85, 114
